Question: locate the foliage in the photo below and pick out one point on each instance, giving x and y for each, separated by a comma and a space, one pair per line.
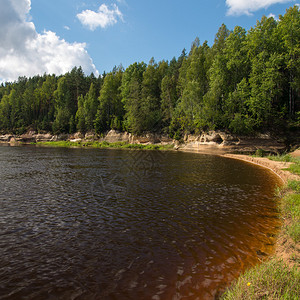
246, 82
260, 153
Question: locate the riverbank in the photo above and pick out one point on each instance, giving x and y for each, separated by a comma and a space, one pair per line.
217, 142
277, 167
279, 276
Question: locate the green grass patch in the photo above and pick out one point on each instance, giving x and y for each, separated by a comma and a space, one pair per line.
270, 280
291, 210
293, 168
294, 185
97, 144
283, 157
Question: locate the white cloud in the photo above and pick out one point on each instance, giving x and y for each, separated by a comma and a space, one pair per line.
247, 7
103, 18
273, 16
24, 52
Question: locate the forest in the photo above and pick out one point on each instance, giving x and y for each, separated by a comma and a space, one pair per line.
245, 83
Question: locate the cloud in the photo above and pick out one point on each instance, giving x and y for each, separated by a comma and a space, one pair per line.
273, 16
247, 7
103, 18
25, 52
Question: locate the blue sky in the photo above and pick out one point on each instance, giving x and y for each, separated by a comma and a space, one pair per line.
52, 36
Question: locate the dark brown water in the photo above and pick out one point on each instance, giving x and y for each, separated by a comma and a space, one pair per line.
117, 224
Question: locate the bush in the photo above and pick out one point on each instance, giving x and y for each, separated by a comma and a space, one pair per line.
260, 152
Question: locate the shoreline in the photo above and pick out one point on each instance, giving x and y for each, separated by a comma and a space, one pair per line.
214, 142
274, 166
256, 281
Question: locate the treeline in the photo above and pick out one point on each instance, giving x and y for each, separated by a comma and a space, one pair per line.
246, 82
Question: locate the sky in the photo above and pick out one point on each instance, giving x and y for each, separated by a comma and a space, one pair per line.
53, 36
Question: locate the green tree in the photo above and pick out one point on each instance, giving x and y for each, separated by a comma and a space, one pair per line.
289, 30
90, 107
264, 81
62, 121
131, 91
220, 39
195, 86
80, 117
110, 110
5, 111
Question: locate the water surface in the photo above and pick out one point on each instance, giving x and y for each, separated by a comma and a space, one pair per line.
119, 224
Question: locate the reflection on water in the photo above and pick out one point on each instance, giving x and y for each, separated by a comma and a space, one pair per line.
116, 224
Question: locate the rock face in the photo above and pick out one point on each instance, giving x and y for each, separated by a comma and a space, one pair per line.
43, 137
5, 138
27, 138
114, 136
212, 141
225, 142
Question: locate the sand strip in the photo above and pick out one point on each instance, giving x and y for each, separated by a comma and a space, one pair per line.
274, 166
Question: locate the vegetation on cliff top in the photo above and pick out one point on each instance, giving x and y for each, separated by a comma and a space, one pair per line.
245, 82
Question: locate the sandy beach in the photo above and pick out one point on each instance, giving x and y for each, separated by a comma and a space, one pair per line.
274, 166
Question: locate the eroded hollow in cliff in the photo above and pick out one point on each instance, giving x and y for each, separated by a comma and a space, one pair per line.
217, 139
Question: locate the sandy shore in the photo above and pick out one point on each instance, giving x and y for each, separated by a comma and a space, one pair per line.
285, 248
274, 166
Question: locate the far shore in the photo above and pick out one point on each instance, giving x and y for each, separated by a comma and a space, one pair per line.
210, 142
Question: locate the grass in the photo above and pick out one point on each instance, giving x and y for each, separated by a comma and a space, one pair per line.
96, 144
293, 168
291, 210
294, 185
275, 278
283, 157
272, 279
290, 206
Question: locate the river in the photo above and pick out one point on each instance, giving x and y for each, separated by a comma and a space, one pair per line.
128, 224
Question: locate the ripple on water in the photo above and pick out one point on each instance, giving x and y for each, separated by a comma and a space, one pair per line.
99, 224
